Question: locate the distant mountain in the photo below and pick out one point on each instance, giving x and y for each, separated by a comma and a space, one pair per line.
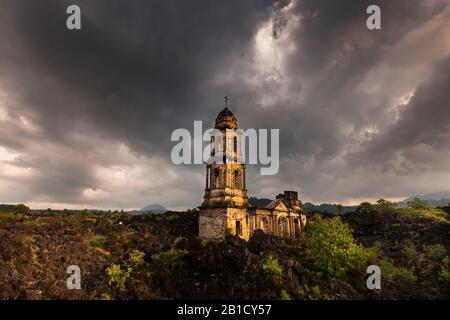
153, 208
327, 208
437, 199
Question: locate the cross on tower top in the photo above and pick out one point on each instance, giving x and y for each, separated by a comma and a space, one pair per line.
226, 101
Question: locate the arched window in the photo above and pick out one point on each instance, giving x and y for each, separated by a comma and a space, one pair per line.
216, 178
282, 224
297, 228
238, 228
213, 151
237, 177
265, 225
223, 149
235, 148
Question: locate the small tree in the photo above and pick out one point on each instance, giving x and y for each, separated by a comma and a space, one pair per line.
117, 276
418, 203
385, 205
98, 241
332, 250
169, 260
284, 295
365, 208
272, 268
135, 258
21, 208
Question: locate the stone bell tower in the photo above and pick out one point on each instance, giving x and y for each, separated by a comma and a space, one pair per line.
224, 208
225, 181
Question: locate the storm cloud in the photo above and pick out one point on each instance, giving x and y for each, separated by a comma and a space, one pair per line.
86, 116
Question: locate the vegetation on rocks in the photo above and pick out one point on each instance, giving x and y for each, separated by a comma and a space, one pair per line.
160, 257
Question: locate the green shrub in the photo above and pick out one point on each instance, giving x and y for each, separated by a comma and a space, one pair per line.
178, 239
117, 276
365, 208
431, 213
105, 296
313, 293
418, 203
284, 295
98, 241
444, 275
377, 246
391, 273
135, 259
410, 252
172, 217
406, 275
331, 249
169, 260
384, 205
374, 252
21, 209
272, 268
435, 251
7, 216
445, 261
388, 270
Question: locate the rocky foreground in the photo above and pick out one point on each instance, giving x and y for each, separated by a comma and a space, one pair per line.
159, 257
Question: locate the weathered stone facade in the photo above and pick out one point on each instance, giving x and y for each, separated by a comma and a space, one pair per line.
225, 208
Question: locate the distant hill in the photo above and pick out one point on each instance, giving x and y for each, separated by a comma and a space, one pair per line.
7, 207
153, 208
437, 199
327, 208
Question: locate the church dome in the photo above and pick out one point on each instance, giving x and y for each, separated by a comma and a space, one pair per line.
226, 119
225, 113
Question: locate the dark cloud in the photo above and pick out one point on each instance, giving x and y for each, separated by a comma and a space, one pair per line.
425, 120
131, 64
88, 111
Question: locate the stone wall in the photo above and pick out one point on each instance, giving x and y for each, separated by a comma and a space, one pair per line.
212, 223
241, 215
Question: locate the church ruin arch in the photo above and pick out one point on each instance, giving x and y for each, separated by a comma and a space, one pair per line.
216, 178
297, 228
282, 225
265, 225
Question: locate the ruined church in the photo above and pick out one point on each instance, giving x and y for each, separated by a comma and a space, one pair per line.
226, 208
